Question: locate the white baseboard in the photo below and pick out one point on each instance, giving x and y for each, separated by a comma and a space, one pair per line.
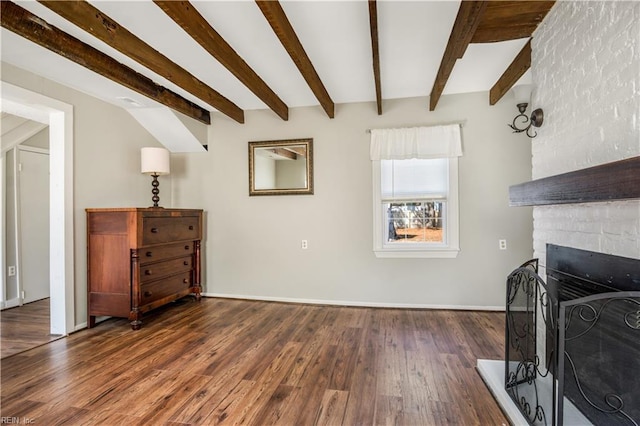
355, 303
12, 303
84, 325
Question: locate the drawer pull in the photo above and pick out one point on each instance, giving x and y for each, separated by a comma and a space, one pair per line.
186, 281
187, 247
190, 227
154, 230
149, 254
147, 294
148, 272
185, 263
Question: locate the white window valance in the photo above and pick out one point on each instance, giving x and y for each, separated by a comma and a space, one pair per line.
416, 142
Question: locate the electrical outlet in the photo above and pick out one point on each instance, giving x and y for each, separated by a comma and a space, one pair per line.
11, 271
502, 244
304, 245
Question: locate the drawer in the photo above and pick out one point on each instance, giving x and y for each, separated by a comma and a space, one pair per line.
157, 230
169, 251
156, 290
154, 271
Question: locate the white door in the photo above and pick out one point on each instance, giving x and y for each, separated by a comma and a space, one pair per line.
34, 224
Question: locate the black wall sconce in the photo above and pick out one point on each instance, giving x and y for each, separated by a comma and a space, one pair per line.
522, 123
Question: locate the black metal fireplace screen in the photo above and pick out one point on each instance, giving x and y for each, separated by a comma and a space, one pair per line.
572, 350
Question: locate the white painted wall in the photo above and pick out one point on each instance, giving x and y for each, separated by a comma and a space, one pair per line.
39, 140
291, 173
264, 172
586, 69
252, 246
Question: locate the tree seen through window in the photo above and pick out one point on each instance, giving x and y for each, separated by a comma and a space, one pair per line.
417, 222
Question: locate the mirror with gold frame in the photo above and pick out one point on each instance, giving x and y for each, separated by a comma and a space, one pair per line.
283, 167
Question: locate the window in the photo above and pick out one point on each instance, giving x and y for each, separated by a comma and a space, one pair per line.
415, 206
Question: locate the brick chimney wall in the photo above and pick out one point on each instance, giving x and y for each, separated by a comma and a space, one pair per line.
586, 75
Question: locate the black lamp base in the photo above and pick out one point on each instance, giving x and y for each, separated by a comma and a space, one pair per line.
155, 191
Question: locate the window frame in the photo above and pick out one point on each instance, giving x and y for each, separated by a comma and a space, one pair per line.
451, 246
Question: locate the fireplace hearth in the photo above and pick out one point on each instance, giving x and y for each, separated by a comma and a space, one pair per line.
573, 342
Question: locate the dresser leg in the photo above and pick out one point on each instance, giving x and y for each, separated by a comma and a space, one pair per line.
135, 318
197, 273
92, 321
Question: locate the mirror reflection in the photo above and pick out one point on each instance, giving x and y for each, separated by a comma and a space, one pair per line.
281, 167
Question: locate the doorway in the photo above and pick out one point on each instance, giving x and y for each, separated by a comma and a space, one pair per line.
33, 208
59, 117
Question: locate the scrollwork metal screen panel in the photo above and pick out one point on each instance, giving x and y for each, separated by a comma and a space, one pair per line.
600, 369
527, 377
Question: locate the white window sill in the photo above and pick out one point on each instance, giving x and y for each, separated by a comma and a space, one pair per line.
414, 254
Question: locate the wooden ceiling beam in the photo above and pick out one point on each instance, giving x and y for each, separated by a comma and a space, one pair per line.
512, 74
300, 151
468, 18
373, 25
510, 20
22, 22
194, 24
101, 26
273, 12
285, 154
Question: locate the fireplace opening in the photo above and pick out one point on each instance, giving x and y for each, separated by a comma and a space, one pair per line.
573, 342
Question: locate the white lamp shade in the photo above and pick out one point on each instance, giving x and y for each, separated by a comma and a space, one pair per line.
154, 161
522, 93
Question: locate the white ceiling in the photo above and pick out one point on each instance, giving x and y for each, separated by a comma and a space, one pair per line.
335, 34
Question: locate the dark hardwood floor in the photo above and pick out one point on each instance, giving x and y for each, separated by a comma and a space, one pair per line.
247, 362
25, 327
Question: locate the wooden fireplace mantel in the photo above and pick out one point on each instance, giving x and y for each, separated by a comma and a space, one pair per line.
619, 180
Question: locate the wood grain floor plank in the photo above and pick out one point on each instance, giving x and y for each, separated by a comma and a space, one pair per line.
361, 406
392, 365
25, 327
347, 344
173, 399
313, 346
419, 389
313, 383
225, 383
227, 380
108, 417
274, 412
247, 407
230, 408
258, 363
332, 407
390, 411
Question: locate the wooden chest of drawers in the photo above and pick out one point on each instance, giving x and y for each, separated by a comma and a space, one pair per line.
141, 258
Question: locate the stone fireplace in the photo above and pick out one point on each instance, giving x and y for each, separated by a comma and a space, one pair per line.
585, 61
